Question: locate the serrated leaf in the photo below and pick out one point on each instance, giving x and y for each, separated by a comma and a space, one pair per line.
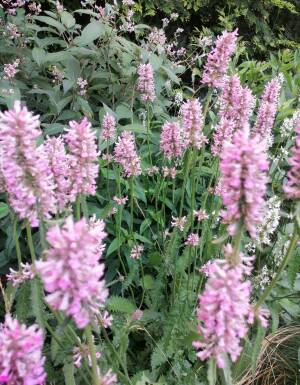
37, 304
121, 305
23, 302
158, 357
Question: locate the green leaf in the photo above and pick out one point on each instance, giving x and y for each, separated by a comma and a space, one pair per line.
37, 304
67, 19
85, 107
68, 370
135, 127
158, 357
114, 246
23, 302
49, 21
212, 371
148, 282
38, 55
4, 210
91, 32
121, 305
257, 346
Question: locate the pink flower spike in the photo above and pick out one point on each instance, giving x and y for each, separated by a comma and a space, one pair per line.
126, 155
137, 315
200, 215
17, 277
192, 120
243, 180
120, 201
82, 144
21, 360
172, 140
218, 59
146, 83
109, 127
192, 240
292, 188
179, 222
71, 273
28, 177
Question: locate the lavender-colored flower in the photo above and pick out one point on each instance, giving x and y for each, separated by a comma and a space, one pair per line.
21, 360
81, 352
292, 188
82, 86
137, 315
59, 162
108, 378
146, 83
25, 167
120, 201
179, 222
243, 179
109, 127
24, 274
192, 120
106, 319
11, 69
192, 240
267, 109
200, 215
218, 59
82, 145
169, 171
172, 140
136, 251
125, 154
72, 273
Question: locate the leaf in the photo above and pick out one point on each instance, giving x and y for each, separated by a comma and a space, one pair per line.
38, 55
293, 268
37, 304
212, 371
257, 346
49, 21
68, 370
148, 282
4, 210
85, 107
121, 305
91, 32
23, 302
114, 246
67, 19
158, 357
135, 127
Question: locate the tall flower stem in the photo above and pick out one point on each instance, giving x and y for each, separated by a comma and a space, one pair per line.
30, 241
92, 350
16, 239
282, 266
131, 183
77, 207
186, 172
149, 133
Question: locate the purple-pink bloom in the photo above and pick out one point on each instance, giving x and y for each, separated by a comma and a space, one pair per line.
59, 162
21, 360
137, 315
192, 120
109, 378
71, 273
243, 179
25, 167
292, 188
126, 155
146, 85
82, 144
109, 127
136, 251
25, 273
172, 140
267, 109
218, 59
11, 69
192, 240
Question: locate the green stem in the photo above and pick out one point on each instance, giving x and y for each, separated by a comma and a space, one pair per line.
148, 133
17, 243
282, 266
92, 350
131, 204
30, 241
186, 174
78, 209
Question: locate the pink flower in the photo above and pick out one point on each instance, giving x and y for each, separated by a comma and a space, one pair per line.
25, 167
200, 215
268, 108
109, 127
10, 69
59, 163
109, 378
80, 352
136, 251
82, 145
72, 273
192, 240
125, 154
146, 83
120, 201
207, 269
21, 360
292, 188
172, 140
243, 179
192, 120
236, 105
218, 59
179, 222
106, 319
82, 86
137, 315
169, 171
152, 170
25, 273
223, 312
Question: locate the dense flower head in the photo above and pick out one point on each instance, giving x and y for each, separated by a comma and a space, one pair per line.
179, 222
11, 69
146, 83
224, 312
292, 188
268, 108
59, 162
109, 127
72, 273
236, 104
26, 272
136, 251
243, 179
192, 240
25, 167
218, 59
172, 140
82, 146
109, 378
126, 155
192, 120
21, 361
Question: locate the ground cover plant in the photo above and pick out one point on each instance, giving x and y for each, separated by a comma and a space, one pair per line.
149, 203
